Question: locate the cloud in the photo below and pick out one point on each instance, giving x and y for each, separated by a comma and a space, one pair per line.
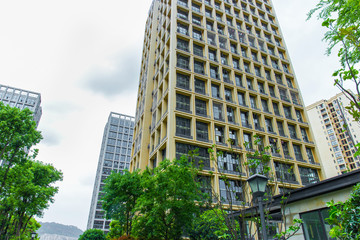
119, 75
51, 138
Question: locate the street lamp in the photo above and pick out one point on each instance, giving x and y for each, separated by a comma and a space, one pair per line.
33, 235
257, 184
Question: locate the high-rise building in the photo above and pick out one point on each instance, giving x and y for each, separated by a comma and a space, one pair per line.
214, 71
335, 142
114, 157
16, 97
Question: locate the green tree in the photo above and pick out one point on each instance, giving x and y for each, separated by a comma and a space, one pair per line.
345, 217
26, 185
121, 193
29, 191
211, 225
17, 135
92, 234
116, 230
342, 20
167, 206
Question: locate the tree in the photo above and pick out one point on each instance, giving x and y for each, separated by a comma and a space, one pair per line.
345, 217
342, 20
17, 135
167, 206
92, 234
28, 192
211, 225
121, 192
26, 185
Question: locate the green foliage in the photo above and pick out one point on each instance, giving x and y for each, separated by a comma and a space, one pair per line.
342, 20
167, 206
345, 217
121, 193
210, 225
116, 230
93, 234
291, 230
26, 185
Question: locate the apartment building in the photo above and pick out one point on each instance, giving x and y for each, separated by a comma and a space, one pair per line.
20, 98
114, 157
218, 72
335, 142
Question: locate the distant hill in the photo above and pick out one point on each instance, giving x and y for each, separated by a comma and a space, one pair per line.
56, 231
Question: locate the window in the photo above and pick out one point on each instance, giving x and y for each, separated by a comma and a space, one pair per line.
238, 81
253, 102
257, 71
315, 225
218, 111
233, 137
243, 52
247, 67
200, 107
210, 26
249, 84
200, 86
214, 72
230, 114
304, 134
232, 33
182, 62
196, 20
195, 7
211, 39
289, 83
223, 43
215, 91
265, 105
268, 75
285, 173
226, 77
264, 60
229, 163
292, 131
202, 130
261, 87
224, 60
182, 81
197, 34
247, 141
208, 12
183, 127
308, 175
257, 122
212, 55
252, 42
281, 128
220, 29
228, 95
233, 48
182, 14
287, 112
236, 63
241, 99
183, 45
183, 2
231, 191
201, 160
182, 102
269, 126
199, 67
276, 109
298, 115
254, 56
310, 155
198, 50
183, 29
297, 152
219, 134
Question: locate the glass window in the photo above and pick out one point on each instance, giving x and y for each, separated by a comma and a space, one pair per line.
315, 225
218, 111
202, 130
215, 91
219, 134
200, 86
182, 81
183, 127
182, 102
183, 45
200, 107
229, 163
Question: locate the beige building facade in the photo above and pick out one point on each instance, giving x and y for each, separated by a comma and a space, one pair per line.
218, 73
336, 145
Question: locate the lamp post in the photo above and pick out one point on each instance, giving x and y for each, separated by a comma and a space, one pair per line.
33, 235
257, 184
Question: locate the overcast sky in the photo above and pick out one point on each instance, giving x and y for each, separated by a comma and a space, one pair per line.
83, 56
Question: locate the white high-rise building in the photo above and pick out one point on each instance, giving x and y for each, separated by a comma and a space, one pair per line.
114, 156
335, 144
